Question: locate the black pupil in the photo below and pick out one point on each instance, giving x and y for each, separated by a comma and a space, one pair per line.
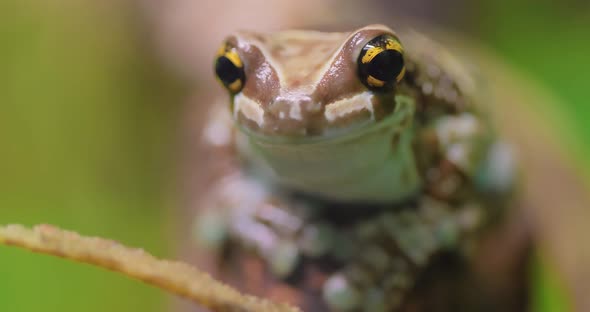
386, 65
227, 71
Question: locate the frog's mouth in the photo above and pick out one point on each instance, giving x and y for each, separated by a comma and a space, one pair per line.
400, 117
339, 166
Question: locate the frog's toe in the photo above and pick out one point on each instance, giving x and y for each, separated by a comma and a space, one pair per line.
284, 259
340, 294
210, 230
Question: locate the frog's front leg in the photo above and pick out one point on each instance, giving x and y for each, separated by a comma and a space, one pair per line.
241, 211
460, 158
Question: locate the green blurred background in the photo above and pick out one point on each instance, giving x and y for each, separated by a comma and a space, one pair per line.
88, 128
86, 138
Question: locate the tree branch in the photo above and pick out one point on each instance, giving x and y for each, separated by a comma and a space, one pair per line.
176, 277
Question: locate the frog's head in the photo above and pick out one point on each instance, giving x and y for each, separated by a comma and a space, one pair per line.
320, 110
307, 84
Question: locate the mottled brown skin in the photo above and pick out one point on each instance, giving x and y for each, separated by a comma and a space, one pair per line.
496, 279
448, 283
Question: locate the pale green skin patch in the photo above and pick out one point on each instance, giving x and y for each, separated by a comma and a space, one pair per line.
363, 165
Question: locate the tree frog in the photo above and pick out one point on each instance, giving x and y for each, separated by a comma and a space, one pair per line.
351, 161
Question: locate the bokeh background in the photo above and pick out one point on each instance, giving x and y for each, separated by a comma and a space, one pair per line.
95, 98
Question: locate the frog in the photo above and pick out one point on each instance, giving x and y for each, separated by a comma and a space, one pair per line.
350, 161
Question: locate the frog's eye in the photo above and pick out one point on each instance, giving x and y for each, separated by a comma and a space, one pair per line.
229, 69
381, 63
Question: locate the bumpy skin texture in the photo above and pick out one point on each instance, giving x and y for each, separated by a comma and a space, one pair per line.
428, 252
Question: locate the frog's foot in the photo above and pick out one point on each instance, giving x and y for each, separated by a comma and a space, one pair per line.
392, 250
233, 197
243, 212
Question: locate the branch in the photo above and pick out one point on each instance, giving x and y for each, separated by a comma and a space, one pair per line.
176, 277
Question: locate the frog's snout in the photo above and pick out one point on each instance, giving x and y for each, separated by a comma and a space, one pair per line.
293, 107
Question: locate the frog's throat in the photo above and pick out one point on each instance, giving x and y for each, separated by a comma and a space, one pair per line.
374, 164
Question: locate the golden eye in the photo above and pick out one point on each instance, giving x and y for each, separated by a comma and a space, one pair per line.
229, 69
381, 63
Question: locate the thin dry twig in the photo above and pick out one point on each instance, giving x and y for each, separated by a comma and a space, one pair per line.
176, 277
